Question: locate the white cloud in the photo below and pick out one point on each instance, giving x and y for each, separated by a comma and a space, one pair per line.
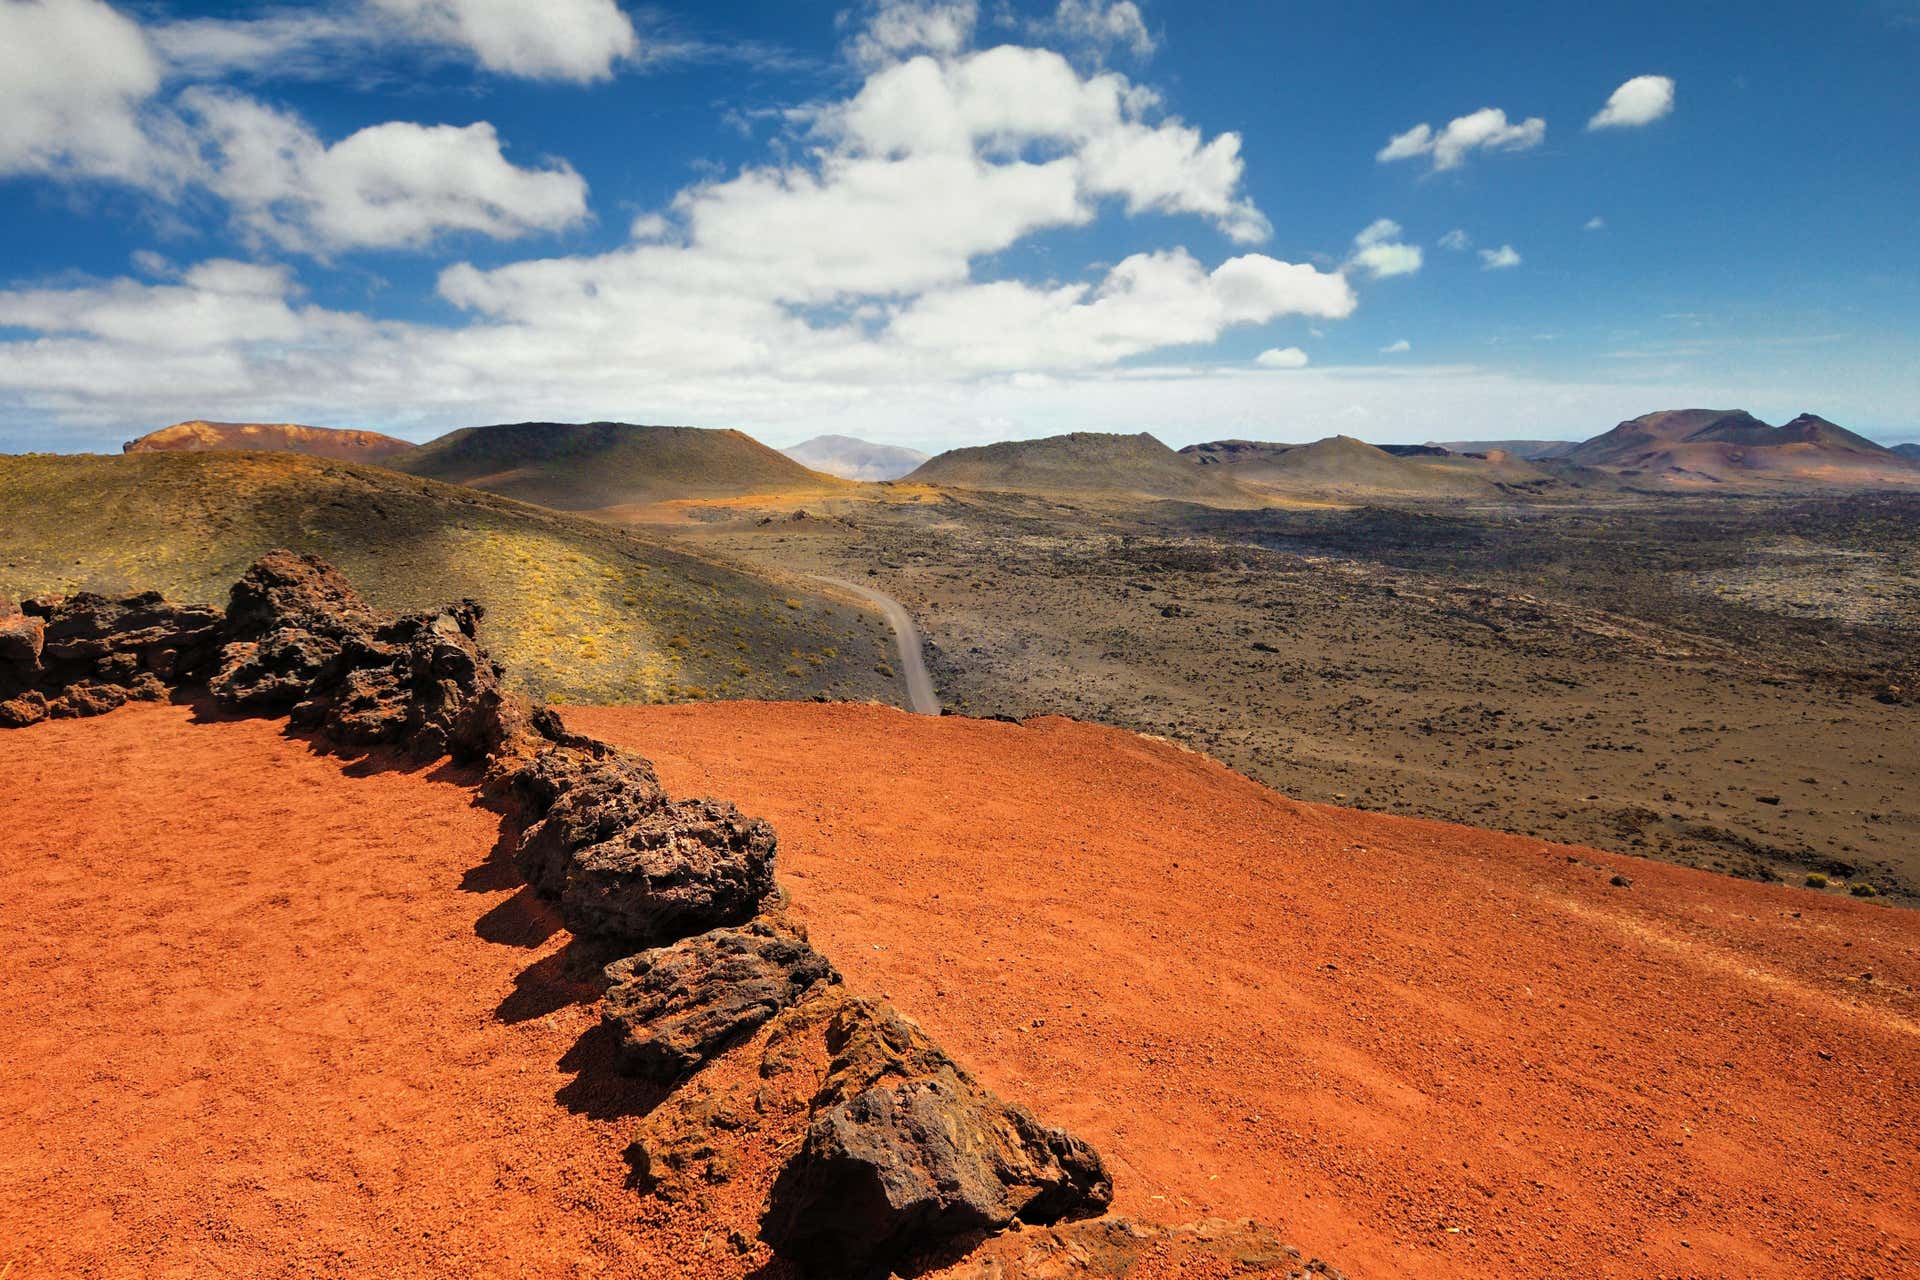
1639, 101
573, 40
996, 102
898, 29
849, 275
1457, 241
1499, 259
555, 39
1397, 348
1484, 130
74, 75
1100, 26
1379, 252
387, 186
217, 306
1282, 358
1595, 223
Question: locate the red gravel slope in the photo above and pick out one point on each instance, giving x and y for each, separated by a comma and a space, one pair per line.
1418, 1049
272, 1013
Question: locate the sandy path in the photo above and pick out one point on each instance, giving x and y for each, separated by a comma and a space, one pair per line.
1422, 1049
906, 637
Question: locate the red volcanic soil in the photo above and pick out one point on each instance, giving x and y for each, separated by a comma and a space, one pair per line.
271, 1012
1418, 1049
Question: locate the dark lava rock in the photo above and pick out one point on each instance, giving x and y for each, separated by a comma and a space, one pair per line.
905, 1150
289, 619
301, 640
675, 1008
681, 868
582, 796
421, 681
85, 654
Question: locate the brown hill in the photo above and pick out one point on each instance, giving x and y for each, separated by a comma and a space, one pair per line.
1340, 466
605, 466
577, 608
1084, 463
1531, 450
1703, 448
271, 437
1427, 1051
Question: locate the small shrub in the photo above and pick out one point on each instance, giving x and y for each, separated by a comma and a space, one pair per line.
795, 672
678, 642
1817, 881
794, 604
1863, 891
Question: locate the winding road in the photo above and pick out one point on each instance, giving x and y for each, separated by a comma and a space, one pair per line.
920, 695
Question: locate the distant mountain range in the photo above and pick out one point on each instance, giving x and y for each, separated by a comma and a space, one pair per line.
620, 469
854, 459
198, 436
1703, 448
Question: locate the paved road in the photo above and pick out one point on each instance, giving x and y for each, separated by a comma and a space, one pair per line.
920, 694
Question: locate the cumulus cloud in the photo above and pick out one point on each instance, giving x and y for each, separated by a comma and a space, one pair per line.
1499, 259
847, 271
1457, 241
1398, 348
897, 29
1639, 101
1379, 251
1595, 223
999, 101
74, 75
1282, 358
388, 186
1484, 130
571, 40
1099, 26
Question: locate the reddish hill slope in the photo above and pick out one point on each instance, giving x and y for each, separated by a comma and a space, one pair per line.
271, 1012
1421, 1049
270, 437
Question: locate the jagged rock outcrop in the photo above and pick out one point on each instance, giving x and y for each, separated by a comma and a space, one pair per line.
674, 1008
86, 654
302, 641
686, 867
905, 1148
588, 795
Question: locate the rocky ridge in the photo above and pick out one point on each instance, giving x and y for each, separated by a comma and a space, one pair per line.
903, 1153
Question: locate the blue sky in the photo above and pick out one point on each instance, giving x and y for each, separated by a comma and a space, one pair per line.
941, 223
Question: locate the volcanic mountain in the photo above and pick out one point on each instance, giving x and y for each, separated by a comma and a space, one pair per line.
1909, 450
612, 468
577, 608
1697, 448
271, 437
1340, 466
851, 458
1085, 463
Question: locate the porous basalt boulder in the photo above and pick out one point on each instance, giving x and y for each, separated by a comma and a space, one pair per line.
421, 681
301, 640
672, 1009
86, 654
288, 621
683, 867
578, 796
904, 1149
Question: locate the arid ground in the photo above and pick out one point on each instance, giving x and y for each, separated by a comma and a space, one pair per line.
1728, 684
278, 1012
